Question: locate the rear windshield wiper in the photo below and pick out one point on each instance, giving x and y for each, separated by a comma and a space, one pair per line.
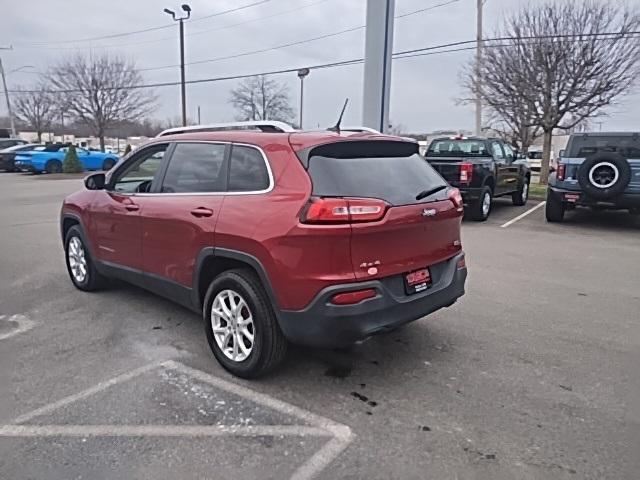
427, 193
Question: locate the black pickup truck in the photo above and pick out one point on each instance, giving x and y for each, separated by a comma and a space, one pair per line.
482, 168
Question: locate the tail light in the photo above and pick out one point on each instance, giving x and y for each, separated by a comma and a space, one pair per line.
343, 210
560, 171
456, 198
462, 263
466, 172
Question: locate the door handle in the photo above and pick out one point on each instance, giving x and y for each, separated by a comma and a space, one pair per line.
132, 207
201, 212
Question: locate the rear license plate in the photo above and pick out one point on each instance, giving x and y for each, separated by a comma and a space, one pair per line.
417, 281
572, 197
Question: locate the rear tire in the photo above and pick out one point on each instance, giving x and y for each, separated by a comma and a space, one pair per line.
268, 346
53, 166
80, 266
555, 208
520, 196
108, 164
481, 209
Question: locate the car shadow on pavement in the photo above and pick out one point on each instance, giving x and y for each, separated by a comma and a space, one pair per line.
617, 220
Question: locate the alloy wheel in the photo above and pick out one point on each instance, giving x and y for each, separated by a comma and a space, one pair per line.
232, 325
77, 259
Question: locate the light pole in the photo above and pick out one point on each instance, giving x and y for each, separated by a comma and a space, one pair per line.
187, 10
302, 73
479, 69
6, 93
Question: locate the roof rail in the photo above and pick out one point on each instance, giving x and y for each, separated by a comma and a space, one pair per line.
268, 126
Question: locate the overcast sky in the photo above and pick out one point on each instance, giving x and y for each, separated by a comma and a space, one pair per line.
424, 89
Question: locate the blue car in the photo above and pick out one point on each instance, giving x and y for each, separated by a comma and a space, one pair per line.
50, 159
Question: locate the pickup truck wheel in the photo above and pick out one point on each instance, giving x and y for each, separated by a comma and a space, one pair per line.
520, 197
80, 266
53, 166
554, 208
481, 209
241, 327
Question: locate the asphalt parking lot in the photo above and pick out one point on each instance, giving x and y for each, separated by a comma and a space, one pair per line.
532, 375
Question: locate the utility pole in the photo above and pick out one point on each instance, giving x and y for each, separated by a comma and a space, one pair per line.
479, 69
199, 123
302, 73
6, 95
183, 87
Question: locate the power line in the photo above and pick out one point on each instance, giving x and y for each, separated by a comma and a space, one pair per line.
426, 51
298, 42
145, 30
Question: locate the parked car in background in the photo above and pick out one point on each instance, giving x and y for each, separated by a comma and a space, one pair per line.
11, 142
482, 168
50, 159
598, 170
534, 158
8, 155
274, 237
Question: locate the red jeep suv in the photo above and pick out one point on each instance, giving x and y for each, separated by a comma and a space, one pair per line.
318, 238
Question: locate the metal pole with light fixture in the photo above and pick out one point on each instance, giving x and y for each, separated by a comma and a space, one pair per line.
479, 68
186, 8
302, 73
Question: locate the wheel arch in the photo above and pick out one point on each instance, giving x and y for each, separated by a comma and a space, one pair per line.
490, 182
213, 261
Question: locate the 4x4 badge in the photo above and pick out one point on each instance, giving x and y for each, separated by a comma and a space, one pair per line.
429, 212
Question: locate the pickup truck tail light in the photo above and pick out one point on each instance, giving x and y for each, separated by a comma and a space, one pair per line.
561, 171
466, 172
343, 210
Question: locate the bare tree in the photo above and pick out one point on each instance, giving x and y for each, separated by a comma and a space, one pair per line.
562, 63
514, 127
261, 98
35, 108
100, 91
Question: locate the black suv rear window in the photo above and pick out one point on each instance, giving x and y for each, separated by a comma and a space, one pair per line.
397, 179
584, 146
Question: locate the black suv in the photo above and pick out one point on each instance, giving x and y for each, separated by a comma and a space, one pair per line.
482, 168
598, 170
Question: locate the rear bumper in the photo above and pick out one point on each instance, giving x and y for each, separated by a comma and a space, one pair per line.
323, 324
577, 197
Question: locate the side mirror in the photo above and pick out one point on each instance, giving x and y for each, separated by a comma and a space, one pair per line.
561, 154
95, 181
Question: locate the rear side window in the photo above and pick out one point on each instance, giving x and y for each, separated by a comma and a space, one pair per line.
247, 170
195, 167
396, 179
585, 146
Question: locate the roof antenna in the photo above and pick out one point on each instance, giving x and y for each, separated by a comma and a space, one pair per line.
336, 127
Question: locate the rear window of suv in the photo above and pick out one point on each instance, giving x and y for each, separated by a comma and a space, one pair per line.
584, 146
395, 175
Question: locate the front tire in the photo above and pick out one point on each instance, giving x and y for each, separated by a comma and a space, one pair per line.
80, 266
53, 166
241, 327
520, 197
555, 208
481, 209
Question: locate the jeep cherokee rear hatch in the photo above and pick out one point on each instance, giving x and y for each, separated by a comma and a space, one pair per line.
404, 216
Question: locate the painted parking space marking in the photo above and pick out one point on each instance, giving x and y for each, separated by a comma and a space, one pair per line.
521, 216
338, 436
23, 324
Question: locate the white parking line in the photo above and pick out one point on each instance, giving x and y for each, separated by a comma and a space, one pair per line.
24, 324
520, 217
316, 426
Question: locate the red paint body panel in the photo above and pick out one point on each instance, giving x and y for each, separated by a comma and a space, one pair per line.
172, 237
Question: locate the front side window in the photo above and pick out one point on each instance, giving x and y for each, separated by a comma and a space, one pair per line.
196, 167
496, 149
247, 170
138, 175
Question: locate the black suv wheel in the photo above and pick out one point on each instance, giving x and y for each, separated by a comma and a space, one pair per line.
241, 327
604, 175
